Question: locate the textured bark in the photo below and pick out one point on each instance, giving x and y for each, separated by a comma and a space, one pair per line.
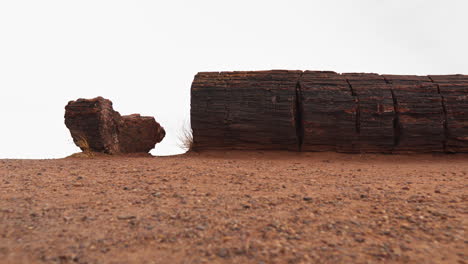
95, 126
454, 92
420, 114
327, 111
245, 110
375, 113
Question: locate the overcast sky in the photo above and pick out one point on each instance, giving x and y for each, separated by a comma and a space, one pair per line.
143, 55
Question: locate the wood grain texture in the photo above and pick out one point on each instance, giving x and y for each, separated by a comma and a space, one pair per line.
328, 113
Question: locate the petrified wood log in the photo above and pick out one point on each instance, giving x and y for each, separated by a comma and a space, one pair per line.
245, 110
420, 115
95, 126
327, 111
454, 91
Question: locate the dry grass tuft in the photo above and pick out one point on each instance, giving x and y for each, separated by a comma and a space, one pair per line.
186, 137
83, 143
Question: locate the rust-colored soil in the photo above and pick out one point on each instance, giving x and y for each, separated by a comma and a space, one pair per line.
235, 207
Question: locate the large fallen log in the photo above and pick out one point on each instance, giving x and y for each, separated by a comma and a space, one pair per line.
327, 111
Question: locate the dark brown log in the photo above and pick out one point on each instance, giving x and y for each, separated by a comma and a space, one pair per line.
328, 113
245, 110
420, 115
375, 112
454, 91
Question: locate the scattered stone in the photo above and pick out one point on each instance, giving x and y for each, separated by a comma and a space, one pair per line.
246, 206
200, 227
222, 253
126, 217
359, 240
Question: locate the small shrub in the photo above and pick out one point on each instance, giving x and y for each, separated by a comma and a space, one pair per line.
186, 137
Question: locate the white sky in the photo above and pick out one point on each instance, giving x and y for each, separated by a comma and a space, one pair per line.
143, 54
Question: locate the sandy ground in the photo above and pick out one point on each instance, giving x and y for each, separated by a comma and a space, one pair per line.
235, 207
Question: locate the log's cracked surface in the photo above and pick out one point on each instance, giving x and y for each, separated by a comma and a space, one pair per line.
376, 112
327, 111
420, 114
453, 90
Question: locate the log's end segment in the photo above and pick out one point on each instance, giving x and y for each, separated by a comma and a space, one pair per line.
245, 110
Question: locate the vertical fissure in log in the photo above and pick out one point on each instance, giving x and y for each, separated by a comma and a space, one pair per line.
358, 108
396, 119
444, 109
227, 106
298, 114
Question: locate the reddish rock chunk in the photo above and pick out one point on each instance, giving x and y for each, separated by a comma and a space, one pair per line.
95, 126
139, 133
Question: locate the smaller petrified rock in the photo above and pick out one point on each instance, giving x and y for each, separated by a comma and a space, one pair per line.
95, 126
139, 133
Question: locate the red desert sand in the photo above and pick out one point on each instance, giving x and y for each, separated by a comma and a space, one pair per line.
235, 207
